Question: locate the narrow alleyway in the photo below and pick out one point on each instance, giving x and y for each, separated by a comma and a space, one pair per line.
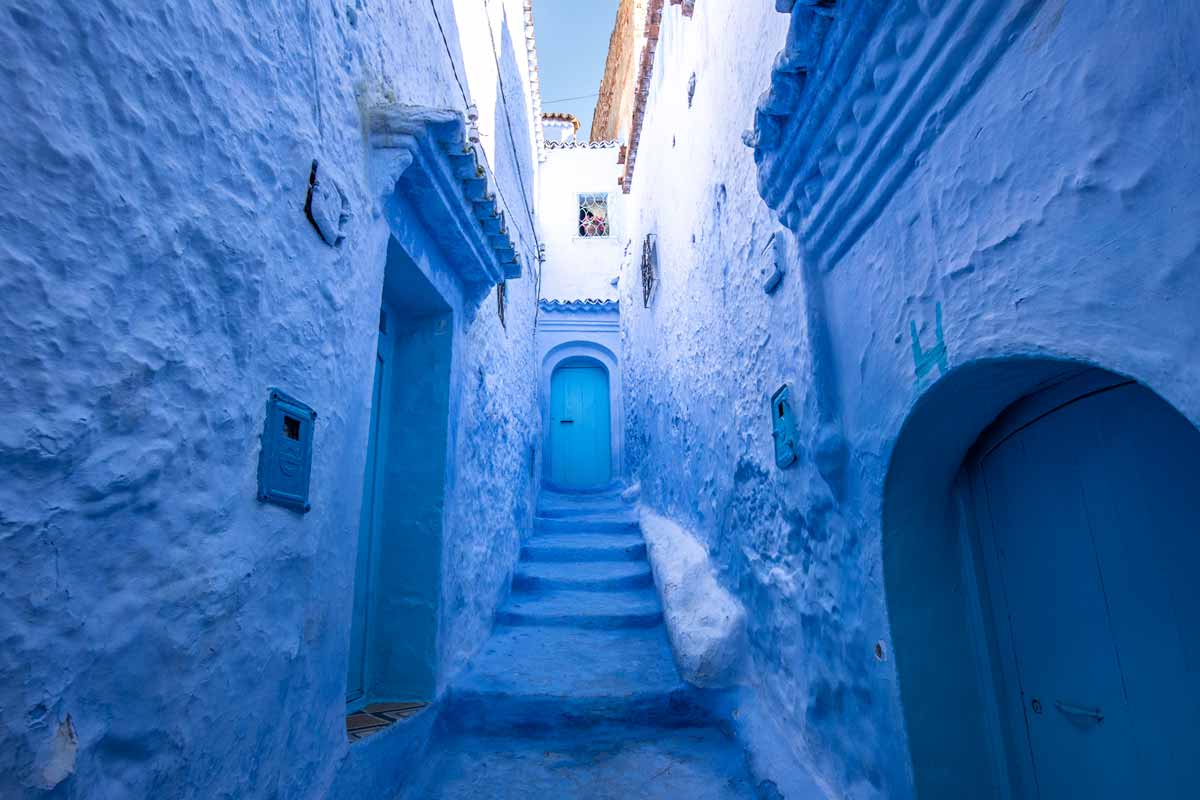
576, 693
548, 400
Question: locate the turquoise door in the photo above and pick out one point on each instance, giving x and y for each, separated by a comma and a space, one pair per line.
580, 447
369, 518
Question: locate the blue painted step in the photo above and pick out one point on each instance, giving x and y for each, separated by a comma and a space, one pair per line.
585, 547
568, 510
576, 695
602, 764
587, 524
583, 609
574, 508
543, 678
585, 575
556, 504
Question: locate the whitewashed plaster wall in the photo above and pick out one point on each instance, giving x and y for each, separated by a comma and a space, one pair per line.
163, 633
1037, 192
579, 268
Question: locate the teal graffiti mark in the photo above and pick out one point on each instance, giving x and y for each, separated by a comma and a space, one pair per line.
925, 360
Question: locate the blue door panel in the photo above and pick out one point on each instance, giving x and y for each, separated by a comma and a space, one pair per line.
1142, 484
580, 445
1060, 634
1093, 515
369, 524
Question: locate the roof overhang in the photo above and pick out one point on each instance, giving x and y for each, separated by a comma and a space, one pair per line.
424, 155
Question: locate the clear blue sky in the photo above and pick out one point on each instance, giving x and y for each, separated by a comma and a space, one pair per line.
572, 43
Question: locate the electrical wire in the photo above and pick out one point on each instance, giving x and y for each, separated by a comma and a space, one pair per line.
569, 99
450, 55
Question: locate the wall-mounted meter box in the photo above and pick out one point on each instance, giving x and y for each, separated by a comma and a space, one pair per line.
783, 428
285, 461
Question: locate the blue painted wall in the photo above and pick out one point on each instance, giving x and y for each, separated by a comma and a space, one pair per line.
164, 634
1032, 195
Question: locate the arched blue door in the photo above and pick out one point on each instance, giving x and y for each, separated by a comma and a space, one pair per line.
1090, 508
580, 445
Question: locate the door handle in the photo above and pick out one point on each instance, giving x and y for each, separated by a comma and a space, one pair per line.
566, 422
1079, 711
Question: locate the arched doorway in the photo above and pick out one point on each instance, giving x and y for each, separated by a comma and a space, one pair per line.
580, 450
1044, 617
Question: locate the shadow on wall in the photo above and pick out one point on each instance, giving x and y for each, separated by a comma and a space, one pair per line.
1038, 515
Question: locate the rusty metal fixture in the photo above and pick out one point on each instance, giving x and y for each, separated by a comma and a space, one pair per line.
649, 268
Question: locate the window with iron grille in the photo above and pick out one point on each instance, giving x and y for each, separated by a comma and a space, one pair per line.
649, 268
593, 215
501, 297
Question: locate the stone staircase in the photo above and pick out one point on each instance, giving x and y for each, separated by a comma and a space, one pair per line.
576, 694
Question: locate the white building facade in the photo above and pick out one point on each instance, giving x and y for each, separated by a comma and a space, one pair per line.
583, 233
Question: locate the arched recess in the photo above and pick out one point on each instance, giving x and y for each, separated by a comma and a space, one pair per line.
581, 349
968, 706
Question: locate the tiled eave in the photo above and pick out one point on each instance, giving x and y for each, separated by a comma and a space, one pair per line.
423, 155
580, 306
601, 145
858, 94
535, 82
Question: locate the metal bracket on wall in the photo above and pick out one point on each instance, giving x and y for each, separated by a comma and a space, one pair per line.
649, 268
326, 207
778, 247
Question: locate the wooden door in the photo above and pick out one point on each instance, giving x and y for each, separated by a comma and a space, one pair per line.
369, 523
580, 445
1090, 517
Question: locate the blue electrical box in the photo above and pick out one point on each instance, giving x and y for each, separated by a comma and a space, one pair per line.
285, 461
783, 428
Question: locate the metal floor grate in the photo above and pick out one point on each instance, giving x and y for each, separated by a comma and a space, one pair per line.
377, 716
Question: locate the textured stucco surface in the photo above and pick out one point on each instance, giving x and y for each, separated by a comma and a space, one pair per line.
162, 634
1048, 212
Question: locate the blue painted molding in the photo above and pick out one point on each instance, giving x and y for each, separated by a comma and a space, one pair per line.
424, 154
586, 306
858, 94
